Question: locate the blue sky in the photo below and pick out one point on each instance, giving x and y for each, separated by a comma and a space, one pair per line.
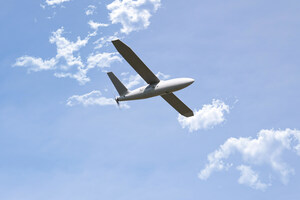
63, 137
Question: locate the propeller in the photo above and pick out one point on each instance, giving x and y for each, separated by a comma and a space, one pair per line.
117, 101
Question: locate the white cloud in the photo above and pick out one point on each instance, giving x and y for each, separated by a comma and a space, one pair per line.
55, 2
66, 48
207, 117
133, 15
93, 98
102, 60
250, 178
162, 76
124, 73
104, 40
156, 4
35, 64
90, 10
134, 80
53, 15
266, 149
65, 52
96, 25
80, 75
66, 63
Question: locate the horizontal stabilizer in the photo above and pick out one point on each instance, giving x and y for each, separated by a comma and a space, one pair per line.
122, 90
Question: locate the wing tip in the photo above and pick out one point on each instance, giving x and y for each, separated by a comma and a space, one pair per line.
116, 41
189, 114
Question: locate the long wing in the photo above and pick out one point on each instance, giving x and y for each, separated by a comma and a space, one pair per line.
178, 105
135, 62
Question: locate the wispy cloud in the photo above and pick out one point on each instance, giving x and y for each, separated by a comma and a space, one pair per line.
207, 117
266, 149
66, 63
66, 48
163, 76
90, 10
134, 80
97, 60
103, 41
96, 25
55, 2
35, 64
132, 15
102, 60
250, 178
93, 98
63, 60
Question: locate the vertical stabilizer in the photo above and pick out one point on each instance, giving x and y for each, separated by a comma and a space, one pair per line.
122, 90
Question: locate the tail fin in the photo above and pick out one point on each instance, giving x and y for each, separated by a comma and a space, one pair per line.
117, 83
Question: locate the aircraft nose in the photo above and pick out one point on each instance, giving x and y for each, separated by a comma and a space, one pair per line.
187, 81
190, 80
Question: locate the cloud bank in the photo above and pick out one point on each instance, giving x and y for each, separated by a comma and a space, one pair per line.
207, 117
266, 149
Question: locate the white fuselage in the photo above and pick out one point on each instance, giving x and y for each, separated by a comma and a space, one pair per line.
160, 88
